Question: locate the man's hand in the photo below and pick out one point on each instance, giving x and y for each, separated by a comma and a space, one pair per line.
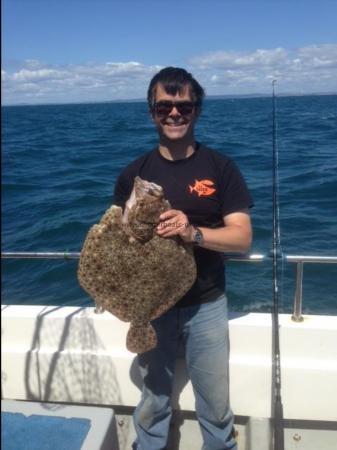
174, 223
234, 236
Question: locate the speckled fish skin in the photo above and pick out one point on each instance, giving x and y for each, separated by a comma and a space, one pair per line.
132, 272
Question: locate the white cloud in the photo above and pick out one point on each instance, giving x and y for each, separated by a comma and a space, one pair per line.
35, 82
307, 69
231, 60
4, 75
25, 75
304, 70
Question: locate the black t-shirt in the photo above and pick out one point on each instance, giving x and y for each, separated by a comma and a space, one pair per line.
206, 186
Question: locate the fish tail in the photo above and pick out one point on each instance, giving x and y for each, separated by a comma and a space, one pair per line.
191, 188
141, 338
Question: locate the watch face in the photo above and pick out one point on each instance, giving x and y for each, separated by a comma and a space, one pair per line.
198, 237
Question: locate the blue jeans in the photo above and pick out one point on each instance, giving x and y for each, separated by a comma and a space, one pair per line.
204, 330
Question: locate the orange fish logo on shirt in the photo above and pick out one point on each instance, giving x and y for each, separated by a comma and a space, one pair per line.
203, 188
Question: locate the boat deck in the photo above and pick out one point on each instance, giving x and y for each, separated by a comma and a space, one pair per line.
75, 356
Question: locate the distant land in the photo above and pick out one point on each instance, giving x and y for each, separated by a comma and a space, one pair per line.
208, 97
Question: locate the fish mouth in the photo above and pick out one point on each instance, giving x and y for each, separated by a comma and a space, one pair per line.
141, 190
143, 187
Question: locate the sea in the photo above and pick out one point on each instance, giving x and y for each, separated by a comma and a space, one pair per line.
60, 164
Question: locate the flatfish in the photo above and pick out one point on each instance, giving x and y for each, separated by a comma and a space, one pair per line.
132, 272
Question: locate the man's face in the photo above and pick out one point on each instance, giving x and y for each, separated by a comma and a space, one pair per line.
174, 124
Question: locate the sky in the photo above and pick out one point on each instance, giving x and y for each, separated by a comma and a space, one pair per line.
69, 51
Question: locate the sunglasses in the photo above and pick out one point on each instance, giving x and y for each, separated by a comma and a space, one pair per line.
164, 107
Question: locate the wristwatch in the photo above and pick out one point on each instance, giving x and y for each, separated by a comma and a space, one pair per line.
198, 237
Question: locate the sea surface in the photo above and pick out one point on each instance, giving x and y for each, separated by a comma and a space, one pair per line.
60, 163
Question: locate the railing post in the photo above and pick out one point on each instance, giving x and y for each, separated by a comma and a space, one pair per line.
297, 311
99, 309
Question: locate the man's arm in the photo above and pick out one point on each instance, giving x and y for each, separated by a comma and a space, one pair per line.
234, 236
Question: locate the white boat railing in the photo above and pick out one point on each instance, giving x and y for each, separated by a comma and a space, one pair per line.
299, 260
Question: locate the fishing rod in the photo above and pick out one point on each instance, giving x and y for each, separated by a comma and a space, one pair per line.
276, 255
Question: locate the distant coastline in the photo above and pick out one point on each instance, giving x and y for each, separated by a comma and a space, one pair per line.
208, 97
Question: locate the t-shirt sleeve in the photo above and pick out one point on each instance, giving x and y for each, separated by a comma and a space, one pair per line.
123, 188
125, 181
234, 193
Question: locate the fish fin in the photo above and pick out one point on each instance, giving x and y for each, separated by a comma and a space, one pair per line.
141, 338
207, 182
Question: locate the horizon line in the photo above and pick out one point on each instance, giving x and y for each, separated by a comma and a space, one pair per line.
144, 100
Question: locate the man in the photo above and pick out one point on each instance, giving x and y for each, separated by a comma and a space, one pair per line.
210, 204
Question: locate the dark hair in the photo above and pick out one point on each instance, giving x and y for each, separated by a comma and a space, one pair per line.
175, 79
